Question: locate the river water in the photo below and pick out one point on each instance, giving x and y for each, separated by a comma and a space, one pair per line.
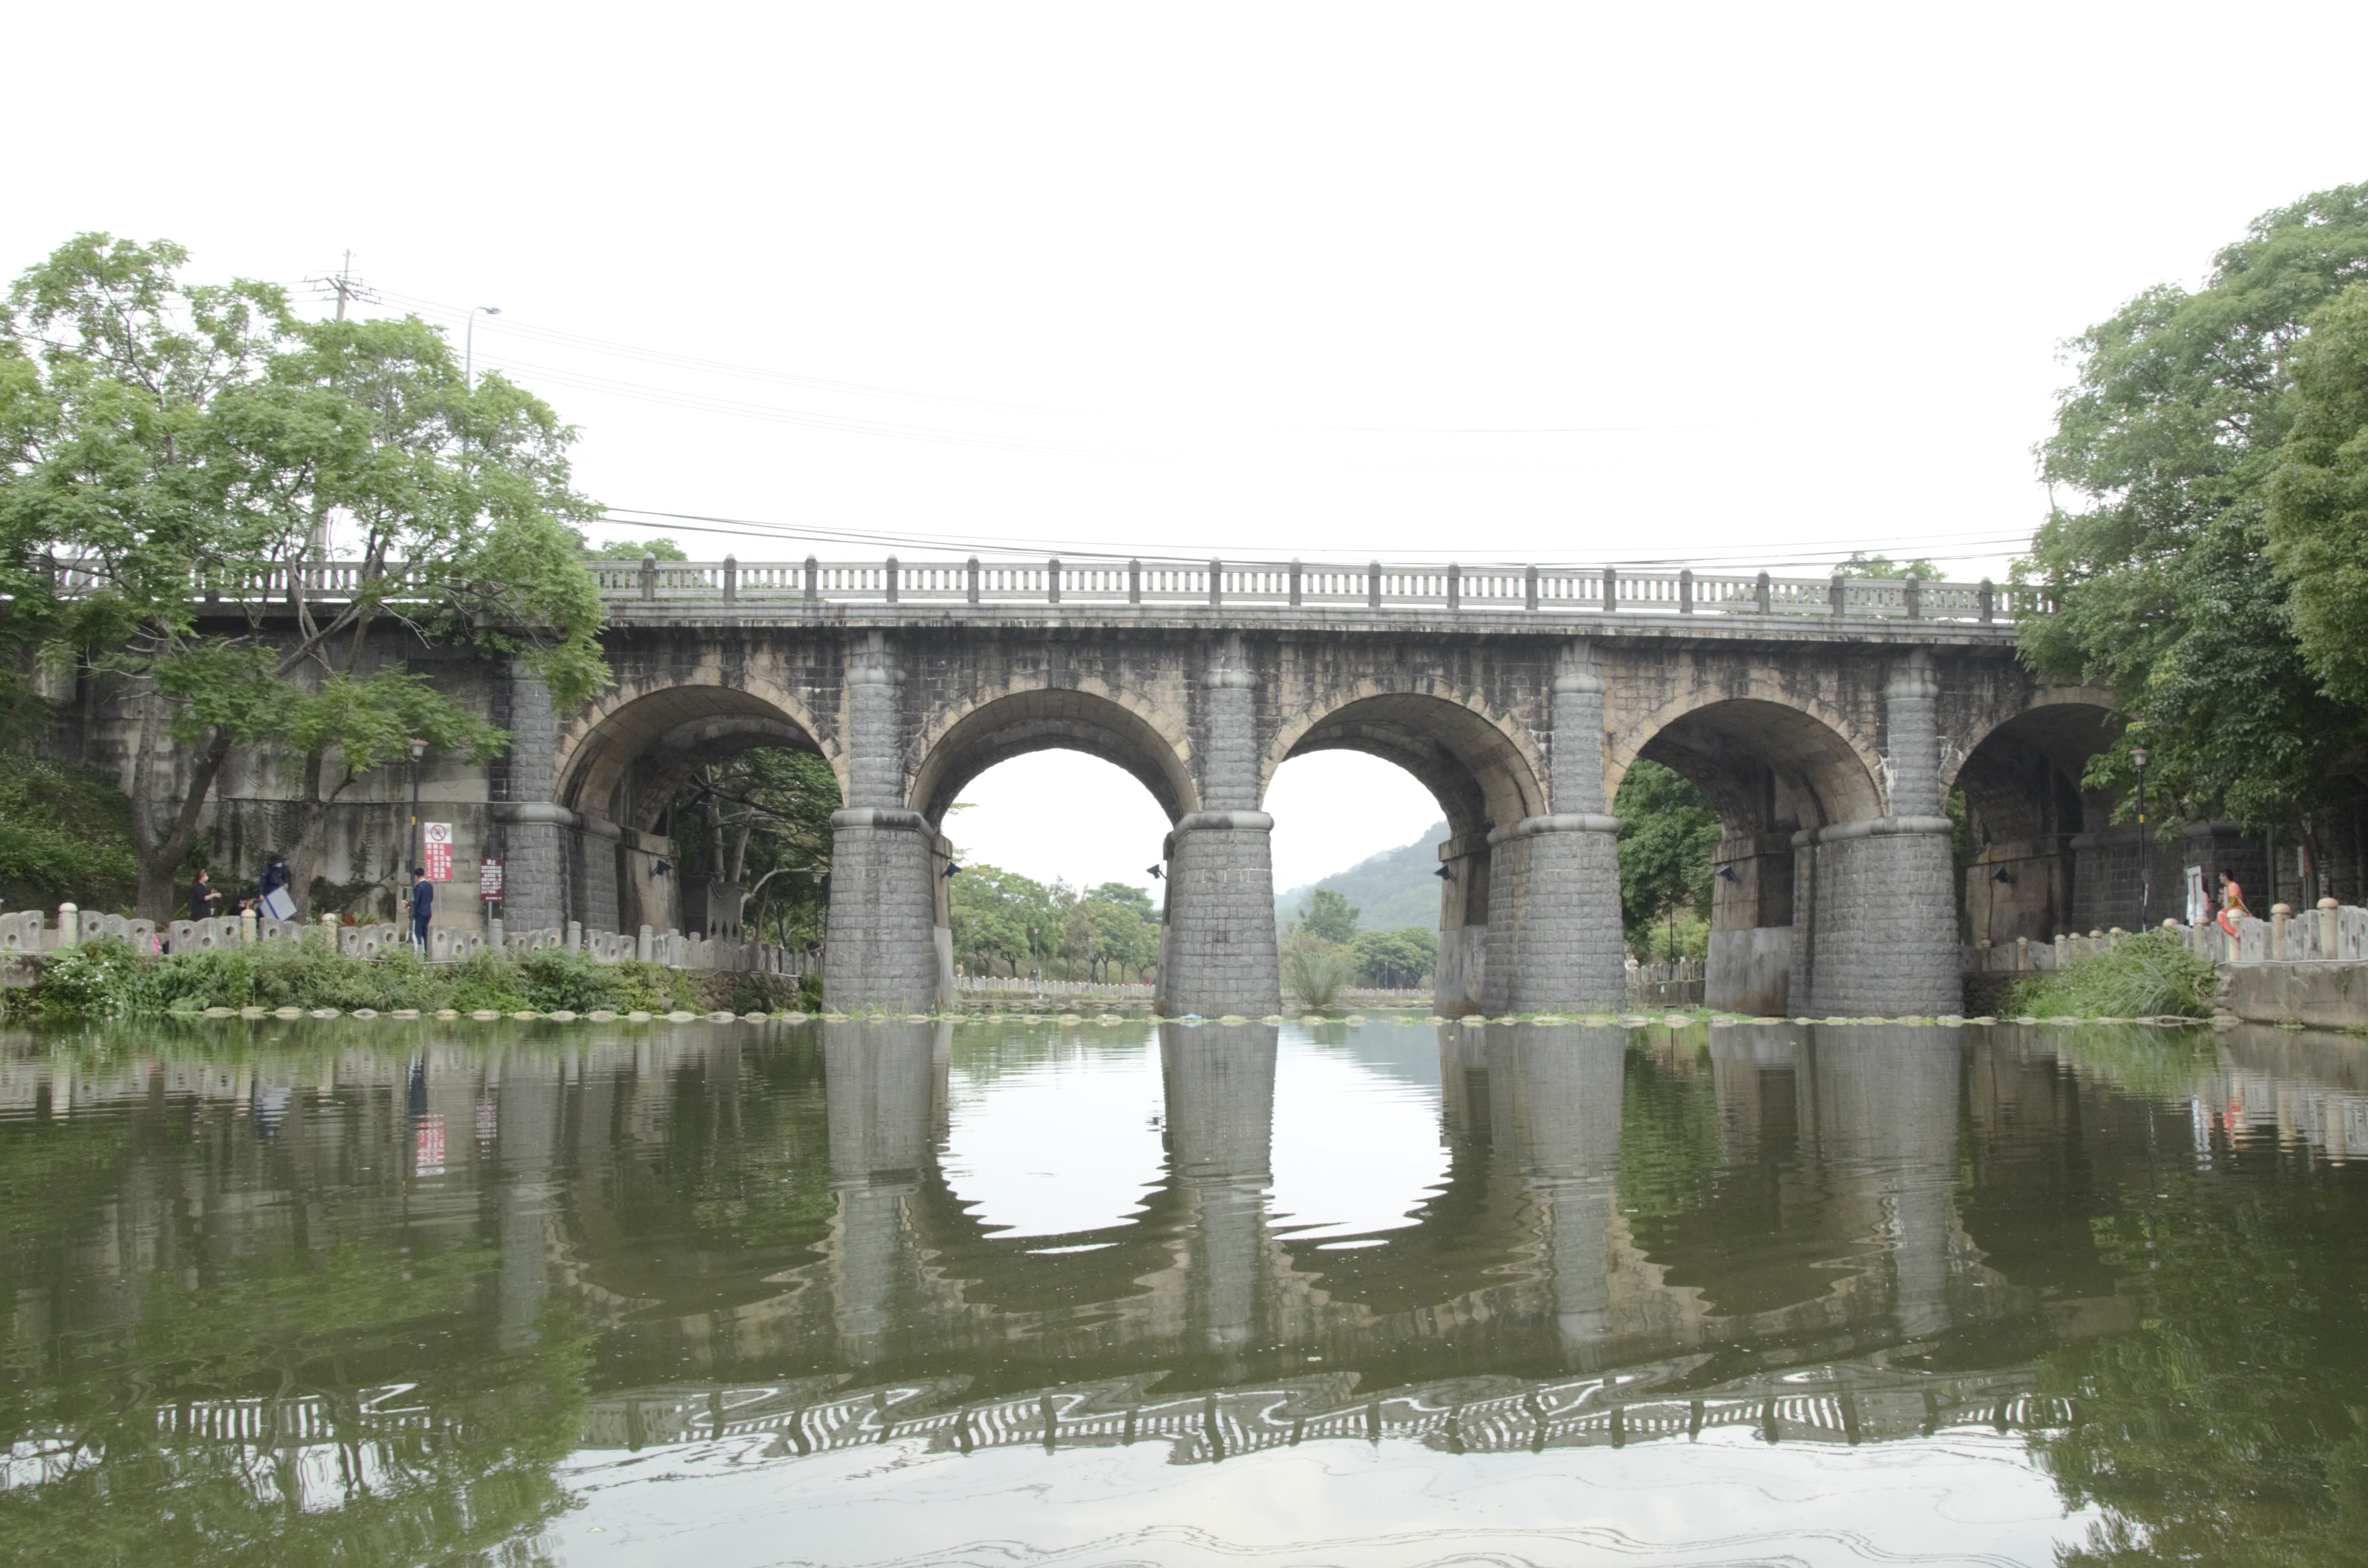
1026, 1292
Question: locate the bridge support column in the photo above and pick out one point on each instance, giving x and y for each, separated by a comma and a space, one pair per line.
1217, 953
1874, 903
881, 950
1553, 928
534, 829
595, 852
1460, 985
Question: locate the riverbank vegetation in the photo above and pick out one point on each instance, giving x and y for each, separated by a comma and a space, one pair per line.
2205, 557
106, 979
2147, 976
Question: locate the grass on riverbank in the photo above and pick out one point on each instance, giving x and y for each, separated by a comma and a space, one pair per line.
2148, 975
108, 979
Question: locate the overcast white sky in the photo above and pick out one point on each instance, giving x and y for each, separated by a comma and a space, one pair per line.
1568, 282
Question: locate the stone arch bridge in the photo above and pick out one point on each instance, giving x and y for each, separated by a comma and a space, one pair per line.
1826, 719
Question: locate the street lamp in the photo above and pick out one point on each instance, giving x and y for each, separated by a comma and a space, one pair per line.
469, 345
418, 843
2146, 850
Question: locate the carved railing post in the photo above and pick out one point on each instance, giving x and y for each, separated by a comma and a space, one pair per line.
970, 574
1986, 598
649, 576
1134, 582
1762, 594
1686, 591
814, 580
731, 579
1217, 583
1294, 585
1836, 594
1454, 587
1053, 580
1373, 585
1610, 590
1529, 588
891, 580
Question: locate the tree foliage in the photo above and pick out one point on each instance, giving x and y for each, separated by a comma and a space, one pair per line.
659, 548
1667, 835
2317, 520
65, 832
1396, 959
1006, 923
2168, 443
172, 454
760, 821
1328, 916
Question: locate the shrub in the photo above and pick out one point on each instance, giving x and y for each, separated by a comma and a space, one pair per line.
1315, 969
2147, 975
92, 981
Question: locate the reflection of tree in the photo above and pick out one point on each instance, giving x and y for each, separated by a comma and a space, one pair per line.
469, 1470
2232, 1427
207, 1369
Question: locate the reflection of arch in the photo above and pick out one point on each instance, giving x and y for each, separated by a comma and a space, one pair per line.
1761, 762
1087, 718
675, 728
1484, 770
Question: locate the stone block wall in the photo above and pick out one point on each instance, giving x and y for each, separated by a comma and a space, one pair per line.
1875, 922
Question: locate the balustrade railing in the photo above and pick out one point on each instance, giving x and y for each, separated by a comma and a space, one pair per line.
1373, 585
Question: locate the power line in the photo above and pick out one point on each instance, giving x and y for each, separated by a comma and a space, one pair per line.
1937, 548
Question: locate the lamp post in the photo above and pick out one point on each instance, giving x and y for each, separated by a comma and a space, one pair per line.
418, 843
2146, 849
469, 344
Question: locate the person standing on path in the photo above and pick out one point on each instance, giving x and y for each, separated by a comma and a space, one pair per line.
423, 906
274, 879
2232, 904
205, 899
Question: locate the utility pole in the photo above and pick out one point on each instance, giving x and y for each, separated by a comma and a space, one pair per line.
344, 284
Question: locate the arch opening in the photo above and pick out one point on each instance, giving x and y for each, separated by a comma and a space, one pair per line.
1769, 771
703, 809
2038, 853
1051, 718
1482, 777
1062, 884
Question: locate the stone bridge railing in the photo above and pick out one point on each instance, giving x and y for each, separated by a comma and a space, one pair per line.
2332, 933
1589, 590
1371, 585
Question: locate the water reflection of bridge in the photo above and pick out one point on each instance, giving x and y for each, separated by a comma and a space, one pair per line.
1477, 1414
1803, 1232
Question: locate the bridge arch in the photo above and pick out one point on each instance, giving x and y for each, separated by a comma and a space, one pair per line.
2042, 853
1088, 717
1776, 772
624, 762
1484, 770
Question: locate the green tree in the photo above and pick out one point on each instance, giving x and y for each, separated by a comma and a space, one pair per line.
1002, 917
1396, 959
659, 548
1328, 916
1861, 564
1667, 835
760, 821
158, 437
2158, 563
2317, 520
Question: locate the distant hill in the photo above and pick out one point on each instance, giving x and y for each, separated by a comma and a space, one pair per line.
1392, 891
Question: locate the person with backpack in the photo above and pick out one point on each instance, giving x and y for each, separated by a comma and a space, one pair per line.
274, 879
423, 906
